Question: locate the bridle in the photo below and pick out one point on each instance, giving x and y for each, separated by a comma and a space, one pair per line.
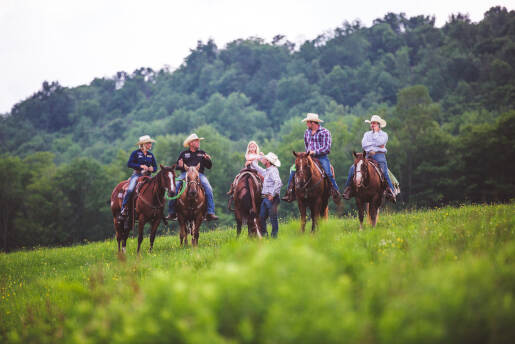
304, 186
361, 169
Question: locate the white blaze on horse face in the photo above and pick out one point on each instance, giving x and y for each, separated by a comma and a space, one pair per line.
358, 171
172, 184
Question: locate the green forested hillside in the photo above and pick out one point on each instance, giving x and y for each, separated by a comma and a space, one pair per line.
447, 93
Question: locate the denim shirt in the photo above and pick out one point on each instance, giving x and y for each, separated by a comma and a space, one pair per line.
138, 158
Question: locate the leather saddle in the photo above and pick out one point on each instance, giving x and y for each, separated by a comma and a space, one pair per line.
321, 169
378, 170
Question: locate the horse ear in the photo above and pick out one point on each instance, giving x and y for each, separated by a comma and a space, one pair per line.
174, 166
364, 154
161, 166
294, 153
354, 153
198, 166
307, 154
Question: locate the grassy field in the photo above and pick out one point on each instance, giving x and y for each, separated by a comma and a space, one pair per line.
443, 275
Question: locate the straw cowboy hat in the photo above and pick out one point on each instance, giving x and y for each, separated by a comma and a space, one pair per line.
190, 138
376, 118
312, 117
274, 160
144, 139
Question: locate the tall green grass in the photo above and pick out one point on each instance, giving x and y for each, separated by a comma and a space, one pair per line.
443, 275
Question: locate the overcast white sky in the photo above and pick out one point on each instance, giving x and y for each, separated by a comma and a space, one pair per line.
74, 41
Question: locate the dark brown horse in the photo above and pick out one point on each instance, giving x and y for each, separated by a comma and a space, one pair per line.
146, 205
312, 190
247, 199
191, 206
368, 188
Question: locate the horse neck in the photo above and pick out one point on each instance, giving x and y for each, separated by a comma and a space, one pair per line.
315, 172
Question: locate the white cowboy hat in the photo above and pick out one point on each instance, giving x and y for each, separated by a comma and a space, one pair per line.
376, 118
144, 139
274, 160
190, 138
312, 117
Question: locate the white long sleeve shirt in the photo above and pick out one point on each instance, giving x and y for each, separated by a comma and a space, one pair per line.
372, 141
272, 181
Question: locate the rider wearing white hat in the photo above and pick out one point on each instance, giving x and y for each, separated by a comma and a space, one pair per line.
374, 143
192, 157
317, 141
143, 162
270, 192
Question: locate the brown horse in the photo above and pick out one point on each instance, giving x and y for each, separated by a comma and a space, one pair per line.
191, 206
247, 197
311, 189
368, 188
146, 205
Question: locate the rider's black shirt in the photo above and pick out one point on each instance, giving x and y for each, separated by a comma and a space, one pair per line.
190, 158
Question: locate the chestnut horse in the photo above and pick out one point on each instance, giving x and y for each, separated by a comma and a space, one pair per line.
146, 205
311, 189
247, 199
368, 188
191, 206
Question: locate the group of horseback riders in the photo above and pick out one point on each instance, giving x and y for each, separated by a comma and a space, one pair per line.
317, 141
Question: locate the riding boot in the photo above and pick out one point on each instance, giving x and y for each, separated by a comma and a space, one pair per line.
391, 195
347, 193
171, 217
211, 217
123, 214
336, 195
290, 194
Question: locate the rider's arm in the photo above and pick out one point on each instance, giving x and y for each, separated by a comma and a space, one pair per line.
154, 164
260, 169
325, 146
367, 143
133, 162
207, 162
381, 139
181, 157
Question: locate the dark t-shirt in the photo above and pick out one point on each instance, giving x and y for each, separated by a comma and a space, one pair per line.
190, 158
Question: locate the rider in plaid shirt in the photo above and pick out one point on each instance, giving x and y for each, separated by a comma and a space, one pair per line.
317, 141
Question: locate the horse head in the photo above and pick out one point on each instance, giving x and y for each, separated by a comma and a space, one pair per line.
167, 178
303, 174
361, 175
192, 180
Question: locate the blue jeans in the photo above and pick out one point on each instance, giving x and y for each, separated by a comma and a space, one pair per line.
381, 159
269, 209
132, 184
207, 188
326, 166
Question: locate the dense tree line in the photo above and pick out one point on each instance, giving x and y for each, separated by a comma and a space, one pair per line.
447, 93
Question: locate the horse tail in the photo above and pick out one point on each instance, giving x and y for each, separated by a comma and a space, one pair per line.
253, 211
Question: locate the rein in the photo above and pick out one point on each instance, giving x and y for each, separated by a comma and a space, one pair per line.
305, 185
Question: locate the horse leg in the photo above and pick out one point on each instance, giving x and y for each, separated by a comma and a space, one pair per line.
196, 230
141, 224
117, 233
368, 208
373, 213
302, 210
361, 212
182, 233
153, 231
315, 214
238, 222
